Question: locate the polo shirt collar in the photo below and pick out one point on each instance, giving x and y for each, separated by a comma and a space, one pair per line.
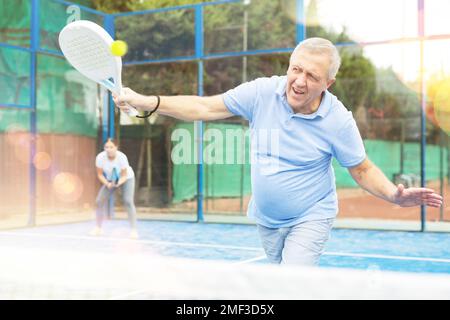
324, 106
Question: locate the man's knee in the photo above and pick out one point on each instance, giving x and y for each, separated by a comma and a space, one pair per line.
306, 242
300, 256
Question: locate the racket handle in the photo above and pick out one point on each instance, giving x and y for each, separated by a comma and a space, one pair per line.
132, 112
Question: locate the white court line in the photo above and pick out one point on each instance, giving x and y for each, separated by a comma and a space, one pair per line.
381, 256
218, 246
250, 260
114, 239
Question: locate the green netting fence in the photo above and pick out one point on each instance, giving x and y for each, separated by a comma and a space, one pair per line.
66, 100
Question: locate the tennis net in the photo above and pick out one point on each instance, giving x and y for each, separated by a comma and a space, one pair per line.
58, 274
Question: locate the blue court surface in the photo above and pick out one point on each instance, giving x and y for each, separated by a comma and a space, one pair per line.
359, 249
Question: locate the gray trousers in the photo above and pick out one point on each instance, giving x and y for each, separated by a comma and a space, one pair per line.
127, 198
302, 244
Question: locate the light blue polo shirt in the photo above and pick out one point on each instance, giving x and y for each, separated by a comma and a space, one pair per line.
291, 172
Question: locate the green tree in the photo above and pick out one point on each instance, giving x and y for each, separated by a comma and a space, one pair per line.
370, 93
356, 79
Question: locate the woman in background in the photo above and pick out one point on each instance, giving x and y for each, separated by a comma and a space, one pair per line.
114, 171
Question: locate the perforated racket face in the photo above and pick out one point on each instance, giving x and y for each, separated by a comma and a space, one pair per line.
86, 46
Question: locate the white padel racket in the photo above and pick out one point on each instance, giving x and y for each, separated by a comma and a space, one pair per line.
87, 47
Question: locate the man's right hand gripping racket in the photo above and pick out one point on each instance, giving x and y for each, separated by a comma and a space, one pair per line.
87, 47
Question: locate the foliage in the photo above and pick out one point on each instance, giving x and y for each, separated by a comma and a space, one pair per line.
377, 97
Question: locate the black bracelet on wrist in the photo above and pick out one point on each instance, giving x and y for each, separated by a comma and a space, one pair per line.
148, 114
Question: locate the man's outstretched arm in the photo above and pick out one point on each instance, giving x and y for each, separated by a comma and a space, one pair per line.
187, 108
373, 180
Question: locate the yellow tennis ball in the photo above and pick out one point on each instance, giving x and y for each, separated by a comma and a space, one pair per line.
119, 48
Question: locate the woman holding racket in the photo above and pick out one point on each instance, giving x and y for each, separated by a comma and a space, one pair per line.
114, 171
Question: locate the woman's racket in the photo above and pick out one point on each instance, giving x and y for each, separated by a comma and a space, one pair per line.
87, 47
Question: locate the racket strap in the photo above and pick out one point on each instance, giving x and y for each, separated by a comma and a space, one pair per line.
148, 114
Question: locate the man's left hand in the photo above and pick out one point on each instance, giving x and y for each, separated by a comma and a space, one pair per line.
410, 197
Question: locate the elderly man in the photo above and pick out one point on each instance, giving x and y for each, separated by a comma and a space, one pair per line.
294, 203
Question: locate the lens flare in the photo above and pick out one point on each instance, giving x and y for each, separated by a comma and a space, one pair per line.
42, 161
67, 186
441, 106
16, 135
438, 109
311, 17
289, 8
22, 153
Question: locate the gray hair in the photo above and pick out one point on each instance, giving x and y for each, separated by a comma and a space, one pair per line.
322, 46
